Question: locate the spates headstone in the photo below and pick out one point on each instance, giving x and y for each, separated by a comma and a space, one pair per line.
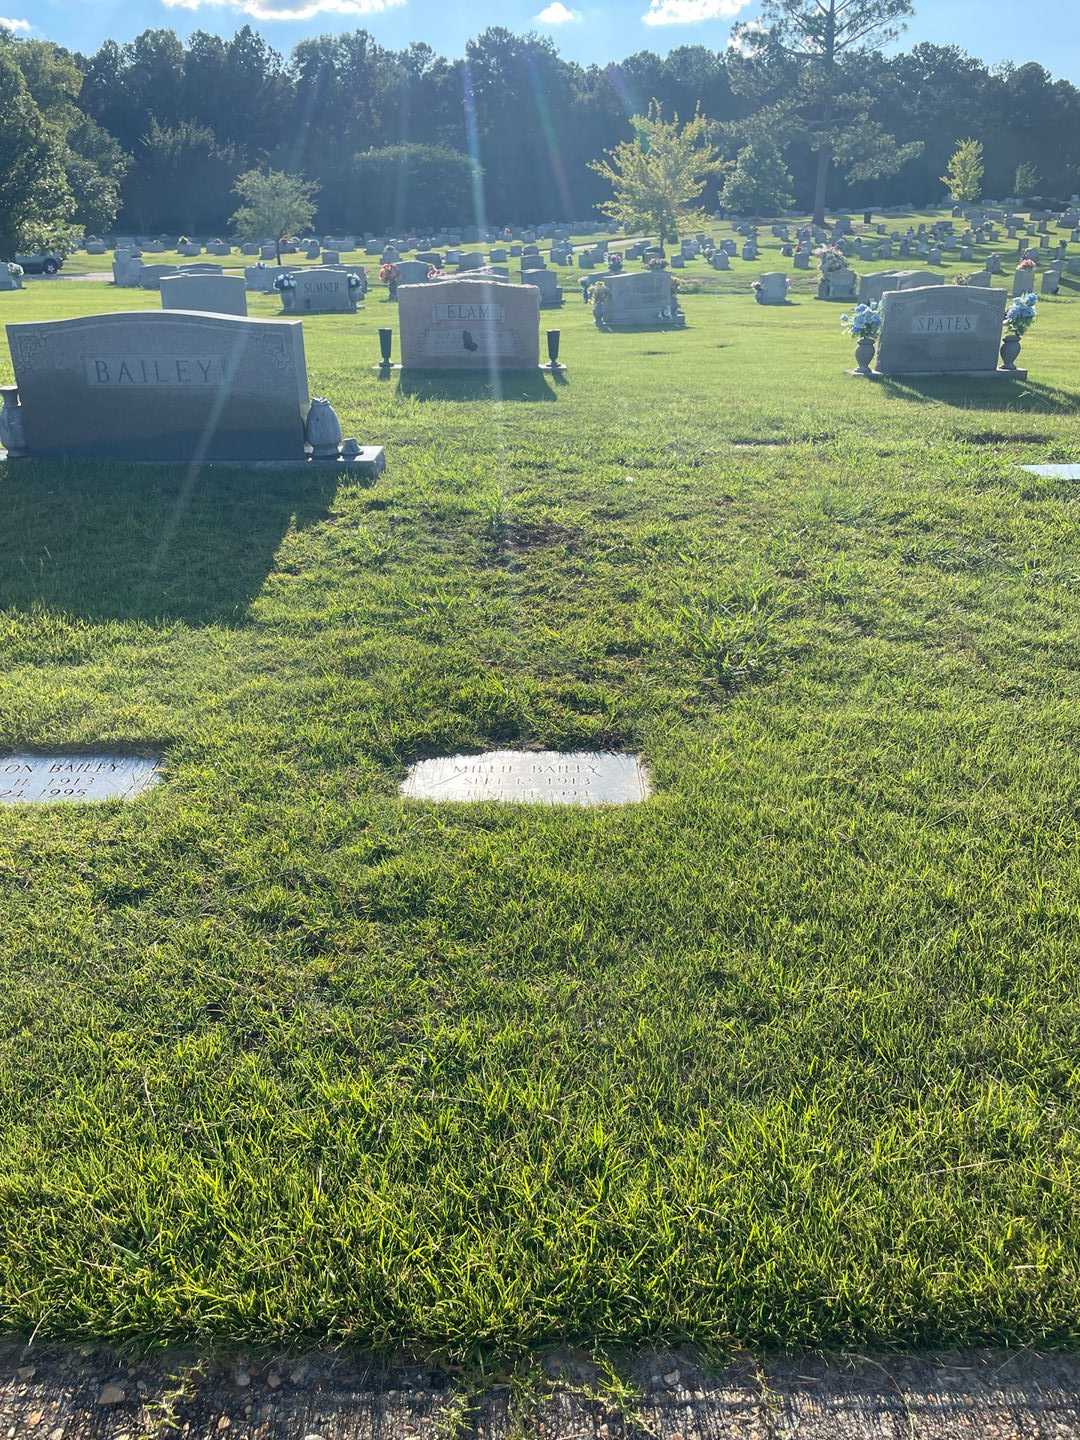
941, 329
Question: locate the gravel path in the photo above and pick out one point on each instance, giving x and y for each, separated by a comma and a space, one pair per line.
84, 1393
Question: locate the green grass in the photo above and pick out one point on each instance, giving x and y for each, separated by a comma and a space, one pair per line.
788, 1054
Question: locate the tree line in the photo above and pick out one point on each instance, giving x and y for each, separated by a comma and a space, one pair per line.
151, 135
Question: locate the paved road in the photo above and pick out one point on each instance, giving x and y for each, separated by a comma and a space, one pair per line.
53, 1393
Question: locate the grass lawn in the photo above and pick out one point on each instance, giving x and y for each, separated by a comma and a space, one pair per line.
787, 1054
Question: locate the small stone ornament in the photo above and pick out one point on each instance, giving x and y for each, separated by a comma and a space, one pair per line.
323, 430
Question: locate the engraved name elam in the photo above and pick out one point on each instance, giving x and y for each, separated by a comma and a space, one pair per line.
469, 314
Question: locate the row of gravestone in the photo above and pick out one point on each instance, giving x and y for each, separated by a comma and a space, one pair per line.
194, 386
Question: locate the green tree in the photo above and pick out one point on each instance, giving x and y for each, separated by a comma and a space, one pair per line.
659, 176
94, 163
95, 167
182, 180
275, 203
759, 182
36, 203
1026, 180
399, 188
964, 173
819, 45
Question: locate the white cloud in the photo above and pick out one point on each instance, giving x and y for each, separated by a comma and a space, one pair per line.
744, 44
291, 9
556, 14
14, 24
690, 12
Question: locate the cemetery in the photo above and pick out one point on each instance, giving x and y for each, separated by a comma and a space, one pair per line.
496, 851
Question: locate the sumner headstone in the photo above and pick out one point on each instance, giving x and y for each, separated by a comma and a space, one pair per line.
640, 297
320, 290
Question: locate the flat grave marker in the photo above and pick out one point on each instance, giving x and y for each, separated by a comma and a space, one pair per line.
531, 777
37, 779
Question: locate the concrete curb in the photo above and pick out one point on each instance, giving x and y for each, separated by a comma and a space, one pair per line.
60, 1393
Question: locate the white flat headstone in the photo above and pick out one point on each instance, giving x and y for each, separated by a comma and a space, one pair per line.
1054, 472
531, 777
27, 779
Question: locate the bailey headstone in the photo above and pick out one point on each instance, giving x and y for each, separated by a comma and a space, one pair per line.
167, 385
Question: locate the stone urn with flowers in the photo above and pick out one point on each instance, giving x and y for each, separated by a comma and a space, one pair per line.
864, 323
1019, 318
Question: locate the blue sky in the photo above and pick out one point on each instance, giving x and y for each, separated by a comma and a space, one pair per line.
585, 30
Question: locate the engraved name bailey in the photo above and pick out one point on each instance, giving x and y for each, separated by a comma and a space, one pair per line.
557, 773
153, 370
64, 767
944, 324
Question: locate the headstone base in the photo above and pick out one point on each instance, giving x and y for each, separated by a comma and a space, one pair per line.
369, 460
945, 374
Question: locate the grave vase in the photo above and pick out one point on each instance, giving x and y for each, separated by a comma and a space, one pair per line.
864, 354
1010, 350
12, 434
323, 430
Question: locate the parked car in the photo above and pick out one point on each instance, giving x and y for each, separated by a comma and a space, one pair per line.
46, 262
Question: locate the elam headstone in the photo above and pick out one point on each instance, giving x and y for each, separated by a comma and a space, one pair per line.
461, 324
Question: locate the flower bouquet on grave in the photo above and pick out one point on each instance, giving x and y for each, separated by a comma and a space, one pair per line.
615, 263
1019, 318
656, 263
434, 273
16, 270
389, 274
830, 257
285, 281
598, 298
354, 281
864, 323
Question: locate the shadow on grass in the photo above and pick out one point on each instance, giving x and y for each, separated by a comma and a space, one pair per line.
117, 542
660, 327
528, 385
968, 393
